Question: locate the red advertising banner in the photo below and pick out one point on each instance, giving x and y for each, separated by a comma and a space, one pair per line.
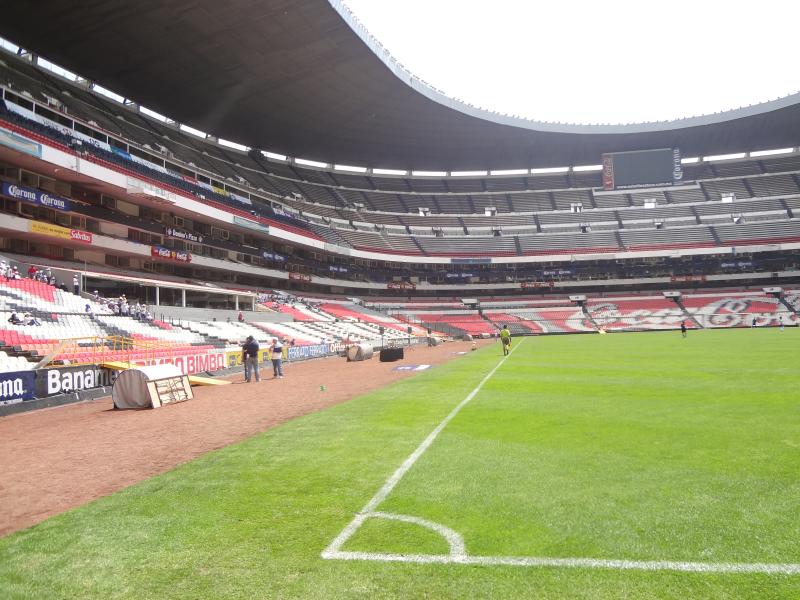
80, 236
300, 276
179, 255
688, 278
608, 172
536, 284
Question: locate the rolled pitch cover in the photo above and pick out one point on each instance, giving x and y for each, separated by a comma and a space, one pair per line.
359, 352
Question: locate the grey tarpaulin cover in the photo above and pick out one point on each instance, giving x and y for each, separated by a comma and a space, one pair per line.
130, 388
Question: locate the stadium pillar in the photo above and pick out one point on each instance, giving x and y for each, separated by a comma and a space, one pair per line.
183, 297
158, 296
236, 302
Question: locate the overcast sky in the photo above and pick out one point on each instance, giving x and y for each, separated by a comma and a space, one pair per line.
617, 61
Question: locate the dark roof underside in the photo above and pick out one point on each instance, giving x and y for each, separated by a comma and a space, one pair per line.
290, 76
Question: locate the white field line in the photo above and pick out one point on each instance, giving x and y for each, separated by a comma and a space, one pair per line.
458, 552
580, 563
389, 484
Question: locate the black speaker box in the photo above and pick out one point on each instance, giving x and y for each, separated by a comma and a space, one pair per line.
391, 354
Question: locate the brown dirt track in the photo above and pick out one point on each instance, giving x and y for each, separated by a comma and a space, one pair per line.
60, 458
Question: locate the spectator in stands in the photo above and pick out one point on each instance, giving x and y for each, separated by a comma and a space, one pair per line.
31, 272
29, 319
76, 284
14, 319
250, 359
240, 317
52, 280
276, 354
96, 296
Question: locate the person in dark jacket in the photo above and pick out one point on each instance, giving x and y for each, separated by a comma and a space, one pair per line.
250, 359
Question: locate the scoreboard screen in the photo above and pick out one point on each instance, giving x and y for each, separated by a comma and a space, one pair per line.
642, 168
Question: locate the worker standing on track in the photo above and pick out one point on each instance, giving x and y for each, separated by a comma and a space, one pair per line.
250, 359
276, 353
505, 339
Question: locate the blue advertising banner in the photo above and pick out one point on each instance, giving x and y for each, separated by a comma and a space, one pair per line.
20, 192
17, 386
22, 144
120, 152
470, 261
300, 352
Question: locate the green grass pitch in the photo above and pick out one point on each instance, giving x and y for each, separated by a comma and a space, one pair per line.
630, 447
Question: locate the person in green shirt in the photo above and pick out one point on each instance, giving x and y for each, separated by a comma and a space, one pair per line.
505, 338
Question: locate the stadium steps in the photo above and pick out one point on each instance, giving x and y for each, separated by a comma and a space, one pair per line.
788, 306
589, 317
749, 187
687, 314
517, 245
715, 235
444, 328
696, 214
481, 313
787, 208
211, 340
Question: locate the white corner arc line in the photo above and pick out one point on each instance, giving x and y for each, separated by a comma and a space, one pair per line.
457, 547
335, 546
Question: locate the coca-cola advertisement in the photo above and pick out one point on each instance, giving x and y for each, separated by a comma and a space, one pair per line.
401, 285
167, 253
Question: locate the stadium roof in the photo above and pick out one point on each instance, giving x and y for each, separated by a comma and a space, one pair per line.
302, 78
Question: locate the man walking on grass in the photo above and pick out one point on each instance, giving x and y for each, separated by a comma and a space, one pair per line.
505, 339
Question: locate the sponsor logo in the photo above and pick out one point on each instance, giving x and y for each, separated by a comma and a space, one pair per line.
18, 192
608, 172
414, 367
59, 381
53, 202
81, 236
183, 235
401, 285
536, 284
179, 255
688, 278
191, 364
16, 387
297, 352
300, 276
677, 169
30, 195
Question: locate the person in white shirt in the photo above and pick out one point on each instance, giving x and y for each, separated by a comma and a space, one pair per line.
276, 353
